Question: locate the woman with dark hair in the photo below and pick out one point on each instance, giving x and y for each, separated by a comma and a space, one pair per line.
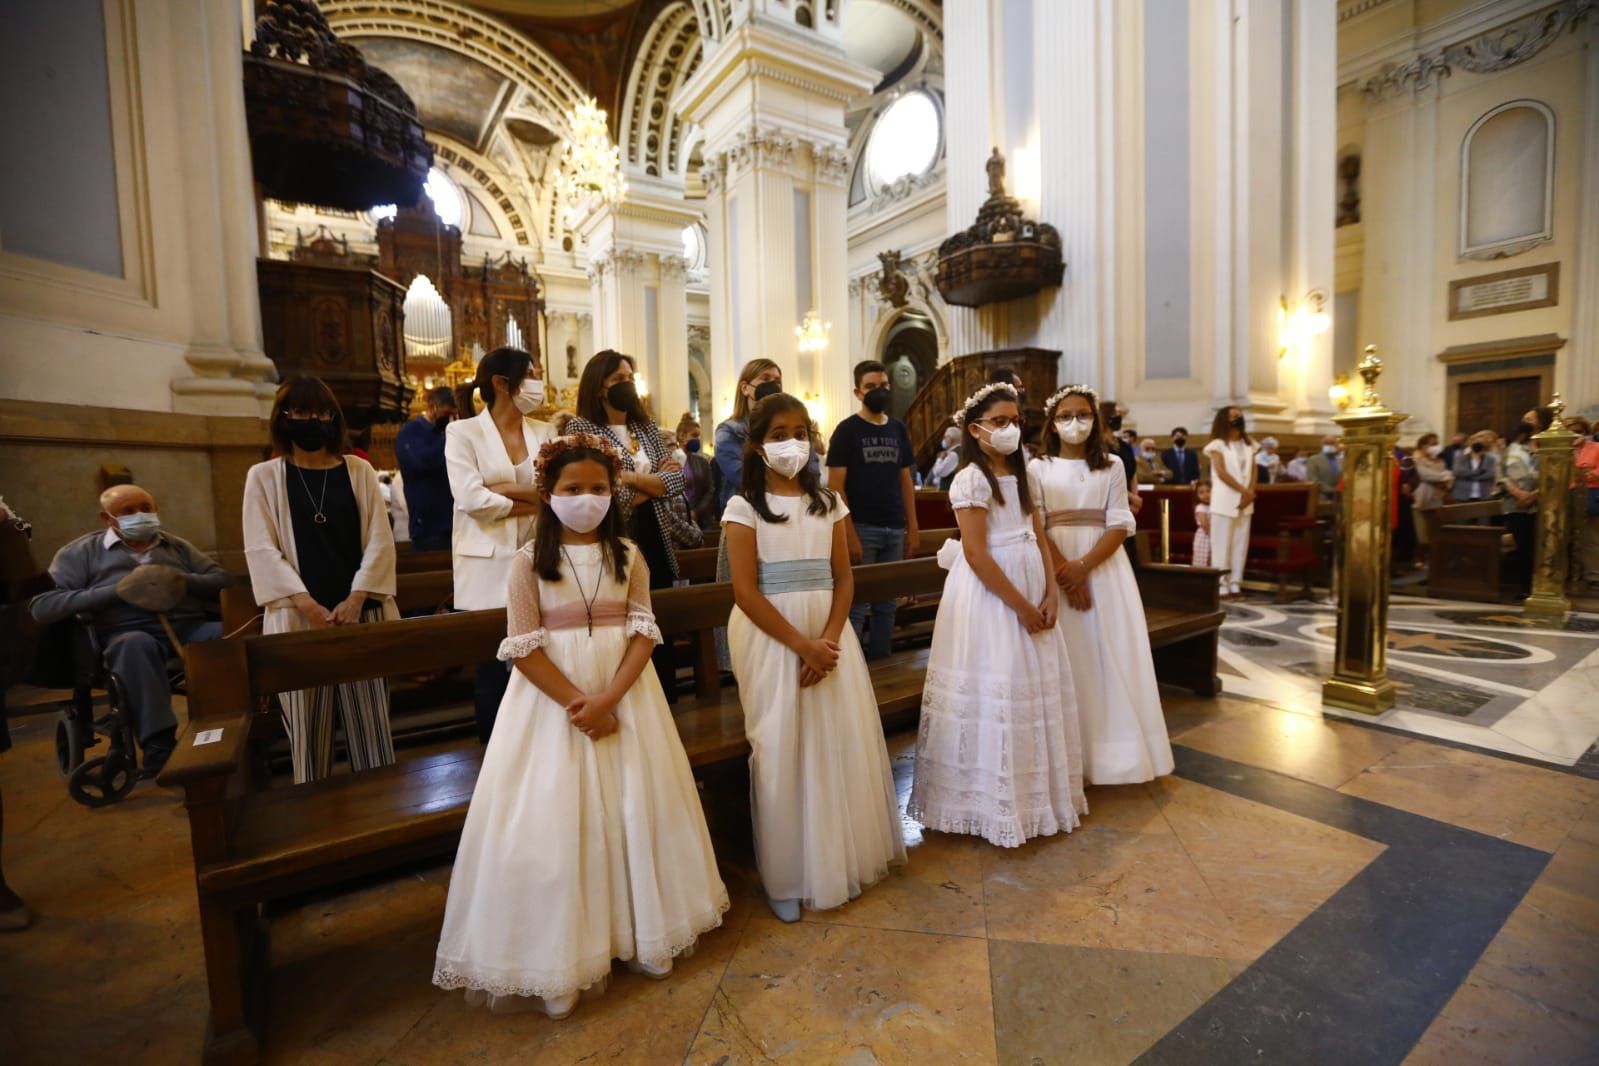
1520, 480
320, 552
1082, 490
1232, 497
489, 459
609, 407
758, 380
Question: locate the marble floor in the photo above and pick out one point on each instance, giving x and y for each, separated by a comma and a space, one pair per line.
1469, 673
1302, 890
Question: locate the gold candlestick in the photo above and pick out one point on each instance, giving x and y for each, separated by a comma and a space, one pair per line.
1555, 450
1360, 663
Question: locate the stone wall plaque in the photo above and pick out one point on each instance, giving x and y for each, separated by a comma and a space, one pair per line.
1505, 291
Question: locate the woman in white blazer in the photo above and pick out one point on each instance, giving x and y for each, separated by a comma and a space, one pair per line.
320, 553
490, 458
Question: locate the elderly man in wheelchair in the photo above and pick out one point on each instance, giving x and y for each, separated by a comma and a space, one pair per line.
139, 589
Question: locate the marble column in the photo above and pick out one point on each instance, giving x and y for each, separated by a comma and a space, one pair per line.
636, 276
230, 372
1577, 367
771, 101
1311, 266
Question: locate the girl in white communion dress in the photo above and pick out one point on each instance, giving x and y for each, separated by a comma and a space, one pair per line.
1082, 491
821, 791
585, 841
998, 754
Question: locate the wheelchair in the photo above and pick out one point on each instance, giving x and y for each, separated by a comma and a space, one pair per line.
107, 778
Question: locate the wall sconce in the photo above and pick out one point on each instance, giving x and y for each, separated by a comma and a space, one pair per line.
812, 333
1339, 393
1301, 323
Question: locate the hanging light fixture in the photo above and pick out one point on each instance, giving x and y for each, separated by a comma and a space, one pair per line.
591, 164
812, 333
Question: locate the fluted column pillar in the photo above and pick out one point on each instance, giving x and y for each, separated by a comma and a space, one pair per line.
1577, 367
1311, 268
971, 36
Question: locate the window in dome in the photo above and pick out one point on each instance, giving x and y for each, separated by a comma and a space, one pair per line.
446, 197
906, 140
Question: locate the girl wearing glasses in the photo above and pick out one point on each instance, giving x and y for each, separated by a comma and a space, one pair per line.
998, 754
1083, 495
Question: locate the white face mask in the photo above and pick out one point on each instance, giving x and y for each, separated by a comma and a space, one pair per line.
1004, 441
786, 457
1435, 450
680, 456
1072, 431
530, 396
581, 514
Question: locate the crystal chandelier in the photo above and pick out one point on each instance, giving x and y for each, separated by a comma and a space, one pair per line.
812, 333
591, 165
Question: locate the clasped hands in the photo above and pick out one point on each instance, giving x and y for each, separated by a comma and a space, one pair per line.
818, 658
346, 613
593, 716
1072, 576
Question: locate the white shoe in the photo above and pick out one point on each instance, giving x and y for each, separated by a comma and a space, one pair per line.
561, 1007
787, 910
655, 972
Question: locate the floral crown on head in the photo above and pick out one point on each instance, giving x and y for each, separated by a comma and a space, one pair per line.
979, 396
553, 449
1071, 390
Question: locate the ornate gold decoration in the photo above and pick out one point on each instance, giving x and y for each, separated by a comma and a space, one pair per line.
1360, 663
1555, 520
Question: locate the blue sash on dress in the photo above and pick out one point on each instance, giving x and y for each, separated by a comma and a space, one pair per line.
796, 575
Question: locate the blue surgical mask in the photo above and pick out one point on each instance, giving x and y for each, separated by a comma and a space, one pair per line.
139, 526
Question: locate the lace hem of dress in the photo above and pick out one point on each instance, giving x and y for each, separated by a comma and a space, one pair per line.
944, 816
643, 625
513, 648
551, 984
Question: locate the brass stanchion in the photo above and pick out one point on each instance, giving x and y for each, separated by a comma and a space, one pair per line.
1165, 530
1360, 664
1548, 600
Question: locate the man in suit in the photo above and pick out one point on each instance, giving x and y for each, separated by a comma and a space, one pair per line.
1181, 460
425, 486
1326, 468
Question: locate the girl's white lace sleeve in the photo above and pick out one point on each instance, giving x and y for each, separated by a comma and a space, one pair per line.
514, 648
640, 612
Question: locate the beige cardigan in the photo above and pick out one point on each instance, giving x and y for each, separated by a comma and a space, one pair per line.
269, 542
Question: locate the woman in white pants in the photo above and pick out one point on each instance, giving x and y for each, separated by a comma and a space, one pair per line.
1232, 497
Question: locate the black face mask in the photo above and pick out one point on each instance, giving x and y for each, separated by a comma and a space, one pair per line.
1477, 447
767, 388
623, 396
1237, 423
1178, 442
692, 446
310, 434
876, 400
1114, 422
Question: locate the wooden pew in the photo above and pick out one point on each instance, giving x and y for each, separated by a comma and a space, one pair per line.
1466, 561
413, 591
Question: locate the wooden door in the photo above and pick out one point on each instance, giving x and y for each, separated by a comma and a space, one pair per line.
1496, 405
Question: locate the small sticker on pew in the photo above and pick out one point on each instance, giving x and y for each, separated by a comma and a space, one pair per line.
207, 736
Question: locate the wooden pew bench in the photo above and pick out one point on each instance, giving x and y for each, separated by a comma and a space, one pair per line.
1467, 557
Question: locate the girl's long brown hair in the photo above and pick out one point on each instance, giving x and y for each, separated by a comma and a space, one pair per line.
1220, 425
547, 527
972, 453
753, 487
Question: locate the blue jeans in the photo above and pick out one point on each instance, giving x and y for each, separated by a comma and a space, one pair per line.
879, 544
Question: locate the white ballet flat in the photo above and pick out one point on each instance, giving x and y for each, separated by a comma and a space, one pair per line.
787, 910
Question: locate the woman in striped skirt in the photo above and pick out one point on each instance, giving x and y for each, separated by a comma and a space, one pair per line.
321, 553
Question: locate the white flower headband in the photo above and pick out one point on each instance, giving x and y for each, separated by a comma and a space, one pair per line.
979, 396
1071, 390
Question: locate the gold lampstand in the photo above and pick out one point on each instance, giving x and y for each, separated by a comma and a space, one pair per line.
1360, 664
1555, 450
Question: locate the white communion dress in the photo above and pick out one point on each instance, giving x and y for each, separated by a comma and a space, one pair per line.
822, 796
1118, 702
577, 851
998, 755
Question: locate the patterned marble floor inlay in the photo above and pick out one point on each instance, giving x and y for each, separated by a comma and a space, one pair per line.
1483, 676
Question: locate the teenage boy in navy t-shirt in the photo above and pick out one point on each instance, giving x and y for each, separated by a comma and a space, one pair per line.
869, 463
